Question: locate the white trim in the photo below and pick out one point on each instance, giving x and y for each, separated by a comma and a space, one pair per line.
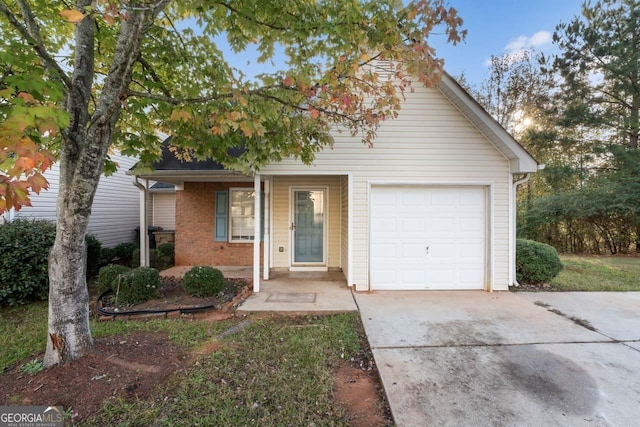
271, 215
511, 231
256, 234
488, 188
266, 250
310, 268
489, 246
325, 226
430, 183
144, 234
230, 201
350, 231
521, 160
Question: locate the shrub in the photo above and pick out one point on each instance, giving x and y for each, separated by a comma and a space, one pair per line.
536, 262
108, 276
94, 254
124, 251
138, 285
164, 256
107, 256
203, 281
135, 258
24, 249
167, 250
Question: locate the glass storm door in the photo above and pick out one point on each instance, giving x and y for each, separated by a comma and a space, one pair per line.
308, 226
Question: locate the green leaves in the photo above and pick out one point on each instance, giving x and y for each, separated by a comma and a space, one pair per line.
326, 54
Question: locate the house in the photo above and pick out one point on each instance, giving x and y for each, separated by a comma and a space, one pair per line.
430, 206
115, 212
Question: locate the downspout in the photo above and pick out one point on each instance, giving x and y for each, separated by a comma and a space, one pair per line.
515, 226
144, 233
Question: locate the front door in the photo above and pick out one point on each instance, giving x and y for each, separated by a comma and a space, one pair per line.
308, 226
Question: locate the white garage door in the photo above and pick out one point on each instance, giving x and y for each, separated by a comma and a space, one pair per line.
427, 238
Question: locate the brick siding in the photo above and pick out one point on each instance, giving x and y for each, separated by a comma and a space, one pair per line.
194, 240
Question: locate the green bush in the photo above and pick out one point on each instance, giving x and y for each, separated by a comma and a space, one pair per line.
135, 258
536, 262
167, 250
107, 256
164, 256
24, 254
124, 251
108, 276
94, 254
203, 281
138, 285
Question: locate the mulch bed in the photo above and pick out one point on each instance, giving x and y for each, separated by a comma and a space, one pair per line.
173, 297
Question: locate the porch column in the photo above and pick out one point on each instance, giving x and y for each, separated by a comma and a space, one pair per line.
266, 243
256, 235
144, 235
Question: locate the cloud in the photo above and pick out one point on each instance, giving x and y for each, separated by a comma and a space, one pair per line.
541, 38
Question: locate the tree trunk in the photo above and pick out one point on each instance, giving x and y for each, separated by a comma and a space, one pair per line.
69, 336
83, 152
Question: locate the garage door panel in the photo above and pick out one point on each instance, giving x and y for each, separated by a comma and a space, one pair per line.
451, 221
413, 198
413, 225
384, 251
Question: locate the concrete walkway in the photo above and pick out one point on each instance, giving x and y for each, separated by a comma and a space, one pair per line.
302, 292
503, 359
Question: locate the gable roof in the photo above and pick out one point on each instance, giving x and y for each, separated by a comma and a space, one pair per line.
519, 158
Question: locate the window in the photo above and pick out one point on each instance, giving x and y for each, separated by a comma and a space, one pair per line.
235, 214
241, 215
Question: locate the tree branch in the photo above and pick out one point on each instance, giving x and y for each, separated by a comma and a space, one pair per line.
31, 33
146, 66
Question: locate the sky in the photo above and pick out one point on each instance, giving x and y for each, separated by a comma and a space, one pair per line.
494, 27
502, 26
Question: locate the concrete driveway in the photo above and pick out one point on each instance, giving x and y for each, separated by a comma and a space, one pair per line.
503, 359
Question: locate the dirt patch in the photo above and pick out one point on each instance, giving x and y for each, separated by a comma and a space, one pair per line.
119, 367
362, 397
359, 389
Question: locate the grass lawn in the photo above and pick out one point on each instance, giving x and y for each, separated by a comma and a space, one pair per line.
278, 370
592, 273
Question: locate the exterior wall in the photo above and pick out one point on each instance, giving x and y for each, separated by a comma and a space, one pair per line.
164, 210
344, 225
116, 206
430, 142
194, 225
281, 211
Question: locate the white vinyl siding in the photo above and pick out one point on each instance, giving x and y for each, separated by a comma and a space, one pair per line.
431, 142
164, 210
116, 206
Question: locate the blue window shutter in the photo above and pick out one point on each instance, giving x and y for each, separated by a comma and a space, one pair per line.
262, 216
221, 218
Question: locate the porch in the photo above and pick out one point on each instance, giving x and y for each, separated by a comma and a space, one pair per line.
292, 291
302, 291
